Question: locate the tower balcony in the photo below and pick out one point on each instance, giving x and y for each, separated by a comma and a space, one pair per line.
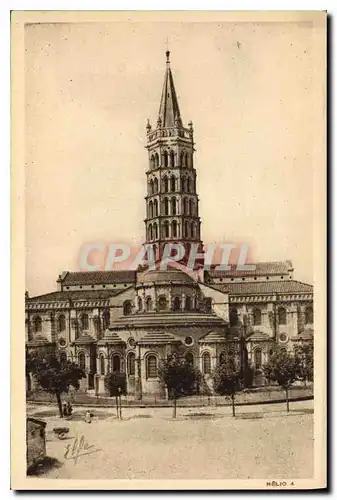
167, 133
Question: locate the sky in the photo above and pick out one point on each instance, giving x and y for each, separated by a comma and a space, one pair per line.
89, 89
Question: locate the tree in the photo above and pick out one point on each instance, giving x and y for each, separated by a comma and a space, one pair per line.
179, 376
115, 385
304, 355
226, 381
282, 368
53, 375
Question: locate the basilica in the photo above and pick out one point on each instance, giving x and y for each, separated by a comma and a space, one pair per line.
128, 321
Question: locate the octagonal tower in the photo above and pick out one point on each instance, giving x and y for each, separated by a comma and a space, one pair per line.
172, 204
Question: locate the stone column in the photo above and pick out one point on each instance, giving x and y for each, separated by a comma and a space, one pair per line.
292, 319
170, 305
183, 301
155, 308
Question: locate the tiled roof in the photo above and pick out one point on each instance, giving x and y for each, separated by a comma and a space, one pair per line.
98, 278
158, 338
75, 295
258, 336
169, 275
212, 338
306, 334
265, 287
84, 339
111, 337
262, 269
38, 340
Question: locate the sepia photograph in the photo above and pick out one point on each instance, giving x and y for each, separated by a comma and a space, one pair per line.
169, 232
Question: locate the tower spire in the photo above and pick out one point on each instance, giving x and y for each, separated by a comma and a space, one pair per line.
169, 112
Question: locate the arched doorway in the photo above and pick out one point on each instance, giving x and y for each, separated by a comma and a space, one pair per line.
116, 363
189, 358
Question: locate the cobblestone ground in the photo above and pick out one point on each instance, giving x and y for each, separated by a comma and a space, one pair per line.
206, 443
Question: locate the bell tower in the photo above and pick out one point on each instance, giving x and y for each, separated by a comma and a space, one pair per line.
172, 204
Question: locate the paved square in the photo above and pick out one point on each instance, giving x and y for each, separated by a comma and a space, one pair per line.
204, 443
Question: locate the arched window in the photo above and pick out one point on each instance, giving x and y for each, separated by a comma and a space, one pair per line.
257, 316
63, 357
191, 206
155, 208
208, 304
173, 206
151, 366
101, 364
148, 304
151, 209
116, 363
189, 358
166, 229
165, 158
231, 359
156, 160
81, 361
258, 358
97, 326
127, 308
166, 206
37, 324
182, 159
174, 229
165, 184
188, 185
176, 304
155, 231
187, 229
188, 303
106, 319
185, 206
190, 160
233, 316
206, 363
150, 235
155, 185
85, 322
309, 316
162, 303
171, 158
222, 358
173, 183
192, 230
282, 316
131, 362
152, 162
183, 183
61, 323
151, 187
140, 304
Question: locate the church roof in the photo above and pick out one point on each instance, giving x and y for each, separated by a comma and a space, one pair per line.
75, 295
265, 287
212, 338
111, 337
169, 107
98, 277
170, 275
158, 338
306, 334
84, 339
257, 335
262, 269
